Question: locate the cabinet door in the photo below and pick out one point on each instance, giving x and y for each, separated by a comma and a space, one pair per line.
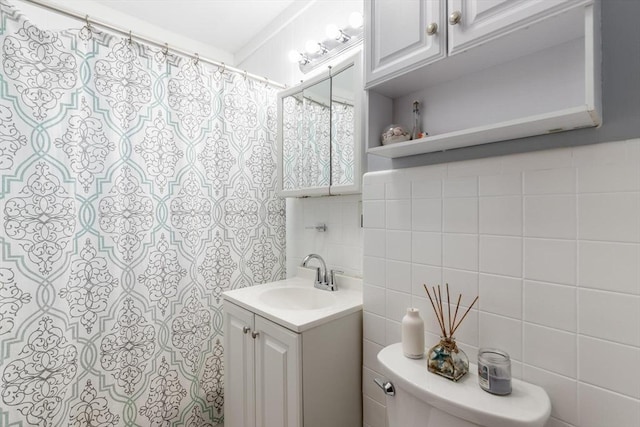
278, 376
346, 124
304, 132
239, 380
397, 39
483, 20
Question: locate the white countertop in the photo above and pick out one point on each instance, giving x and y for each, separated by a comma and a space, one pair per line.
348, 299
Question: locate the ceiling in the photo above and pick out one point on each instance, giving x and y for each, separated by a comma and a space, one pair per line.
226, 24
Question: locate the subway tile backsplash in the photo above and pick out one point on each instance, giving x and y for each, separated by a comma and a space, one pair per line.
341, 244
550, 241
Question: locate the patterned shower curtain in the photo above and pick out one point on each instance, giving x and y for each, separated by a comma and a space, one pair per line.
135, 186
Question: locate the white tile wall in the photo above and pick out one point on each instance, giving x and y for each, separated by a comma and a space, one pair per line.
460, 251
550, 305
501, 215
550, 260
552, 216
341, 245
550, 241
599, 407
501, 255
609, 266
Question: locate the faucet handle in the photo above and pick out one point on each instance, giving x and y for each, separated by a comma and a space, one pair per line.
333, 275
318, 276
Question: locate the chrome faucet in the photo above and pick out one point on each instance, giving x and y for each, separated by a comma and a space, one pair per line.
321, 274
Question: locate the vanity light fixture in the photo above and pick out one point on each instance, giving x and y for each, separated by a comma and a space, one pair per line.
356, 20
335, 33
300, 58
313, 47
338, 40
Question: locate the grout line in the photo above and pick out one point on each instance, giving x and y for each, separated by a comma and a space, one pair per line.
577, 297
441, 229
605, 291
605, 341
477, 337
522, 268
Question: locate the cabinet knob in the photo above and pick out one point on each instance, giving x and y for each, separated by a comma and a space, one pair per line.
432, 28
255, 334
455, 17
246, 329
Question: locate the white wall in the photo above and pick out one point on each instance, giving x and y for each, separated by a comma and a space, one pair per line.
341, 245
550, 241
267, 55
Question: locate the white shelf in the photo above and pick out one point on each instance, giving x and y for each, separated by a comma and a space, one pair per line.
506, 89
557, 121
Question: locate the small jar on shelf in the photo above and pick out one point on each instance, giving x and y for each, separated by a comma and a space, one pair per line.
394, 133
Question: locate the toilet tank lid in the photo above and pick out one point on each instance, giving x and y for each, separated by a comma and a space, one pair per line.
527, 406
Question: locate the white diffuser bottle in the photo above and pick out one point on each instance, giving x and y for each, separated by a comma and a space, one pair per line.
413, 334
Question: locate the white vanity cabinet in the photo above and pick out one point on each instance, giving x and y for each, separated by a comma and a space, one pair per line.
263, 373
276, 377
483, 70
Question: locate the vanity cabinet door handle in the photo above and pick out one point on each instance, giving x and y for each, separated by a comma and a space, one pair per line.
455, 17
255, 334
432, 29
246, 329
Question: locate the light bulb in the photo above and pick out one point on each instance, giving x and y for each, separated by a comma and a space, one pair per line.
355, 20
294, 56
332, 31
311, 46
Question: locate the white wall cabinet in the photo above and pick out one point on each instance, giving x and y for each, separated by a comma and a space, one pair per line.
402, 35
275, 377
483, 70
480, 21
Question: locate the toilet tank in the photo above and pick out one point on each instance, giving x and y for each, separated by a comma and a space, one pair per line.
428, 400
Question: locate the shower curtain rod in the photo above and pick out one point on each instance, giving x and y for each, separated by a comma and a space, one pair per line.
113, 28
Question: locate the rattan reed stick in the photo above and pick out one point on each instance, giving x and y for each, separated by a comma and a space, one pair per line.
449, 307
465, 315
434, 309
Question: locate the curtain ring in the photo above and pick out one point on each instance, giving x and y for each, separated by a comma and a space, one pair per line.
245, 75
196, 59
130, 39
266, 82
224, 67
165, 51
88, 26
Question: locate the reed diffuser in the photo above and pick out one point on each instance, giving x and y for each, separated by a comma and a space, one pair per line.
445, 358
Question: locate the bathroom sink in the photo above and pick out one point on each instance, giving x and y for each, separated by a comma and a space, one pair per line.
295, 304
290, 298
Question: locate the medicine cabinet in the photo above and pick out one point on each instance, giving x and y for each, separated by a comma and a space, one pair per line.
319, 133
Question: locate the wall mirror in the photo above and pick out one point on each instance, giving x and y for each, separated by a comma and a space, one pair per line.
319, 146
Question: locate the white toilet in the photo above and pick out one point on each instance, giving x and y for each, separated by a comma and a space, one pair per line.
418, 398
